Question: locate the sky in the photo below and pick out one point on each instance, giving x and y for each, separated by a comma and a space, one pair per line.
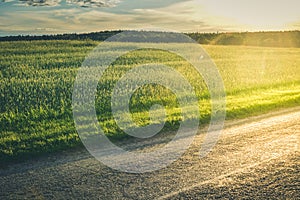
35, 17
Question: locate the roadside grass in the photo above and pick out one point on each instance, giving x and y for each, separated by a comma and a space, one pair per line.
37, 80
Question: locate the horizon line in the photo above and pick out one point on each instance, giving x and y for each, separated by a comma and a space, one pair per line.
122, 30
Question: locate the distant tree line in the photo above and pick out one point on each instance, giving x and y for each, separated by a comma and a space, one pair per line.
266, 39
131, 36
98, 36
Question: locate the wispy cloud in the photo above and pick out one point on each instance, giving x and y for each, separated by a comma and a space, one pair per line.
38, 22
6, 1
94, 3
52, 3
39, 2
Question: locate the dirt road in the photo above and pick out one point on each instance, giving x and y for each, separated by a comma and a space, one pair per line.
257, 158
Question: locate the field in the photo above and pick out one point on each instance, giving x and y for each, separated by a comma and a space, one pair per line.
37, 80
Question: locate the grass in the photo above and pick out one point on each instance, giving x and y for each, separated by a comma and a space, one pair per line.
37, 80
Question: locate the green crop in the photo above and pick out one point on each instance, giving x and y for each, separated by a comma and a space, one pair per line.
37, 79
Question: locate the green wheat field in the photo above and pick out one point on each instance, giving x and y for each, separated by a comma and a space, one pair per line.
37, 78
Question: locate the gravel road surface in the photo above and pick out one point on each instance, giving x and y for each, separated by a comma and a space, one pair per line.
256, 158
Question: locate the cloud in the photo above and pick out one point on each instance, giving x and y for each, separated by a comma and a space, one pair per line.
81, 3
39, 2
185, 16
94, 3
46, 29
88, 20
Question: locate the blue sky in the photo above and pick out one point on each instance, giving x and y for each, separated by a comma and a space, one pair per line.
65, 16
